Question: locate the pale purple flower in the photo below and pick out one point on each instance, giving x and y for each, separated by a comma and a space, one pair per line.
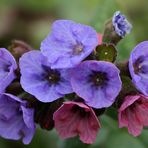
76, 118
7, 67
38, 79
68, 43
121, 24
97, 82
16, 119
133, 114
138, 66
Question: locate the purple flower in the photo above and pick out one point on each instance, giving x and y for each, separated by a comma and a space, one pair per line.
7, 67
138, 66
16, 120
97, 82
68, 43
121, 24
40, 80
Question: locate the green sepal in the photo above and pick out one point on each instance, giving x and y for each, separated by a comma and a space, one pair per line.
106, 52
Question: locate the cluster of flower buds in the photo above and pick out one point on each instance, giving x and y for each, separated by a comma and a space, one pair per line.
71, 81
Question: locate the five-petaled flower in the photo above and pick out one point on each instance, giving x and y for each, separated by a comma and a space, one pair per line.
38, 79
7, 69
121, 24
16, 119
133, 113
97, 82
138, 67
76, 118
68, 43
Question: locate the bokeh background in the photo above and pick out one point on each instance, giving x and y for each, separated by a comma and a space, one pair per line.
30, 20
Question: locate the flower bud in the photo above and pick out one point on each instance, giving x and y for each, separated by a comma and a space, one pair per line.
18, 48
44, 113
116, 28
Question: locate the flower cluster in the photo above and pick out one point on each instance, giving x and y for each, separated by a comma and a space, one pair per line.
70, 82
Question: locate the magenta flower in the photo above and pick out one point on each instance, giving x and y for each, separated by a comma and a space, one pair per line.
38, 79
133, 114
97, 82
75, 118
16, 120
138, 66
7, 67
68, 43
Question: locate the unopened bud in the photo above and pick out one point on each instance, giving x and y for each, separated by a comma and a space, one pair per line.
116, 28
18, 48
44, 113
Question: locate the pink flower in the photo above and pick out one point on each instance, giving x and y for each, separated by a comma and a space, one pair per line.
75, 118
133, 114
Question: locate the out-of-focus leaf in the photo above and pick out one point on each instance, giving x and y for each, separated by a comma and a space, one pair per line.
123, 140
3, 143
104, 11
33, 5
78, 10
112, 113
137, 11
74, 143
43, 138
39, 31
109, 122
144, 137
125, 46
101, 137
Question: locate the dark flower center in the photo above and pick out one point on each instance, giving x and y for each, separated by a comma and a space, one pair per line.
98, 78
78, 48
141, 65
53, 76
80, 111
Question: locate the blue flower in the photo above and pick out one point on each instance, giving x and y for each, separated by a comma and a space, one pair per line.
121, 24
16, 119
97, 82
68, 43
38, 79
138, 67
7, 69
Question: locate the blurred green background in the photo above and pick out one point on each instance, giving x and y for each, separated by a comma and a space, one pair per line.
30, 20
